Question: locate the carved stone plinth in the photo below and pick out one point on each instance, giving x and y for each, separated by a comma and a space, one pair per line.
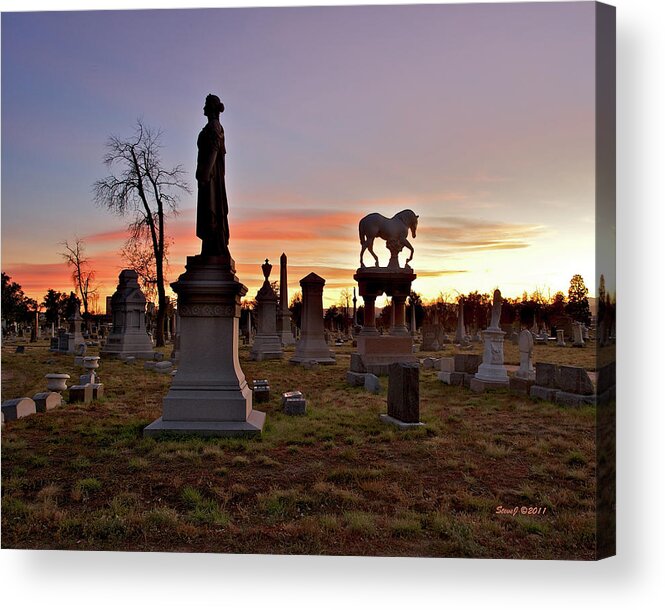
209, 395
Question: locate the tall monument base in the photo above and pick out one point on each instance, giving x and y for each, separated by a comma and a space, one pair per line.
209, 395
377, 352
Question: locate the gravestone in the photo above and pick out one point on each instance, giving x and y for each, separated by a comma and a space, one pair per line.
293, 403
403, 396
17, 408
261, 390
492, 373
526, 370
45, 401
284, 314
560, 340
267, 344
312, 345
372, 383
430, 341
81, 393
75, 336
128, 336
460, 332
578, 338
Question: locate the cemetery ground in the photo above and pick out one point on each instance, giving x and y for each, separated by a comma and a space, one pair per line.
336, 481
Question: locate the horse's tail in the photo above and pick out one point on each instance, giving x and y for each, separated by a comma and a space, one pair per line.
361, 236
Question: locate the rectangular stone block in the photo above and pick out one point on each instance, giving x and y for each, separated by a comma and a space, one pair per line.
568, 399
404, 392
543, 393
447, 365
467, 363
81, 393
546, 374
372, 383
574, 380
261, 393
355, 379
357, 364
295, 406
479, 385
467, 378
18, 407
519, 385
290, 395
45, 401
97, 390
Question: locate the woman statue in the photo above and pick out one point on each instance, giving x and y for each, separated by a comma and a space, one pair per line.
212, 224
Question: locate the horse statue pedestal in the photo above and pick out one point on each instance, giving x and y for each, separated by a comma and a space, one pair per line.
377, 352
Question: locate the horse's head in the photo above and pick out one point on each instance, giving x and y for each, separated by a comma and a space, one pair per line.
410, 219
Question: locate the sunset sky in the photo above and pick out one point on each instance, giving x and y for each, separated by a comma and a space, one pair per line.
480, 118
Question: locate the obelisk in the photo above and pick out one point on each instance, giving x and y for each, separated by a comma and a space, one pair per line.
284, 314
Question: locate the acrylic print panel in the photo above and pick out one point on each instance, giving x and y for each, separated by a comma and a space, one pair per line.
430, 370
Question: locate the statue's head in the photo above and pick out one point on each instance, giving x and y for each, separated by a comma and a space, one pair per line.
213, 105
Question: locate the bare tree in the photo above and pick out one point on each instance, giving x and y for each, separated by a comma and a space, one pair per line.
138, 254
143, 189
83, 275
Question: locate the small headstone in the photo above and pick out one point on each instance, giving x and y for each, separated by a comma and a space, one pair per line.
372, 383
81, 393
158, 357
164, 366
546, 375
447, 365
81, 349
560, 340
355, 379
261, 390
467, 363
45, 401
293, 403
526, 370
574, 379
17, 408
404, 392
20, 349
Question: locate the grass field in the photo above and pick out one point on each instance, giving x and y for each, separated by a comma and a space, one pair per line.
336, 481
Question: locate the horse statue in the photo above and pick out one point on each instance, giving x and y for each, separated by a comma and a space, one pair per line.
394, 230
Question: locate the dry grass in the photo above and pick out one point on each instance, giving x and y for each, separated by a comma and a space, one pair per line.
336, 481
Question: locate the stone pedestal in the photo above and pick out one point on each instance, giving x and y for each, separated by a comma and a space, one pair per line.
312, 346
128, 336
209, 395
491, 373
267, 344
377, 352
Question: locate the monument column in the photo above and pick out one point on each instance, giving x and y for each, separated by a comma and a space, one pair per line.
399, 316
284, 315
369, 324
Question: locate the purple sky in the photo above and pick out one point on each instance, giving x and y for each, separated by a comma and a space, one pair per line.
478, 117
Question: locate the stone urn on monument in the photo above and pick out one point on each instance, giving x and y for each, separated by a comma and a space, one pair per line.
209, 395
377, 352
